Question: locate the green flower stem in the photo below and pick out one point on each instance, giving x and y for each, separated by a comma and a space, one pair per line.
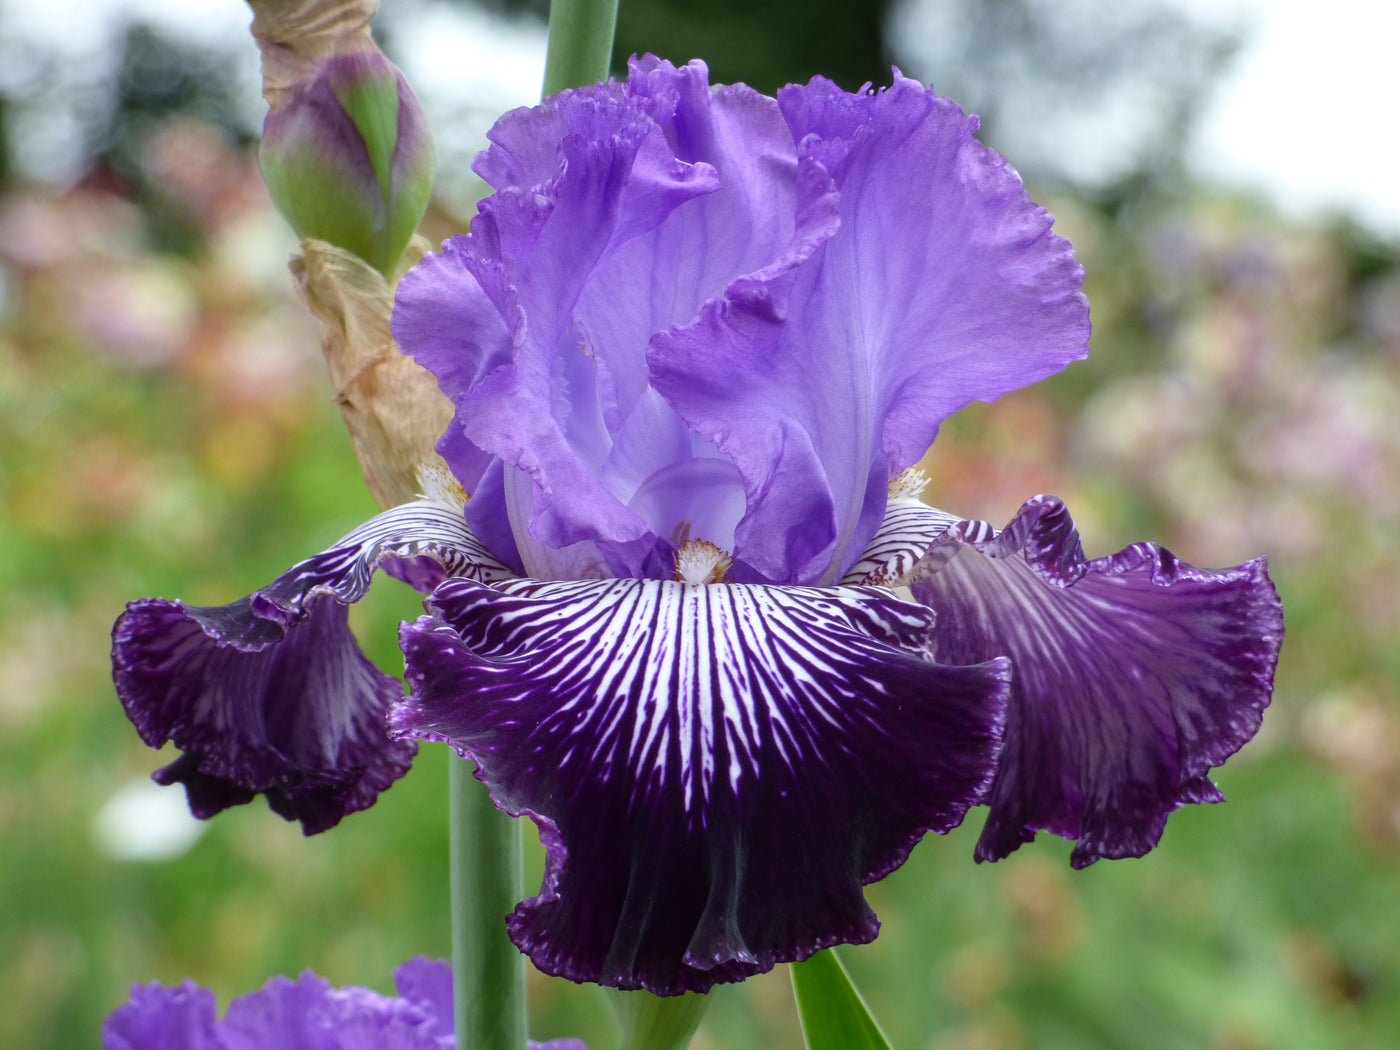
488, 878
580, 43
654, 1022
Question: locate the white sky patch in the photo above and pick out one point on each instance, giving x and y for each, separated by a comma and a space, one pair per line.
83, 25
473, 59
144, 821
84, 36
1303, 114
468, 67
1306, 111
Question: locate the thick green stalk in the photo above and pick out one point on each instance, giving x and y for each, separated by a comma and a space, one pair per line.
488, 878
580, 43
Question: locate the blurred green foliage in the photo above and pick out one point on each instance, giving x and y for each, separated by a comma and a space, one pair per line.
165, 428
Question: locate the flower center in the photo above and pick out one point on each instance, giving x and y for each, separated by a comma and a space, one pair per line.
908, 484
440, 485
700, 561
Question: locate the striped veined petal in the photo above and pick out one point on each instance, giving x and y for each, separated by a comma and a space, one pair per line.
1133, 674
271, 694
904, 537
715, 769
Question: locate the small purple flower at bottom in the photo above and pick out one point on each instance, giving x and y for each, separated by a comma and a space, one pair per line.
305, 1014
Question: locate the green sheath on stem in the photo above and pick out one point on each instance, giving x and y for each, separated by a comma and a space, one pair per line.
488, 878
653, 1022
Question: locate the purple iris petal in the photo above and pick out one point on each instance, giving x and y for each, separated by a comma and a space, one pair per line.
942, 285
620, 210
184, 1017
543, 358
427, 983
904, 537
308, 1014
810, 285
715, 770
298, 715
271, 694
1133, 675
305, 1014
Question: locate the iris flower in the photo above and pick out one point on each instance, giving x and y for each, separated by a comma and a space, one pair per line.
694, 620
305, 1014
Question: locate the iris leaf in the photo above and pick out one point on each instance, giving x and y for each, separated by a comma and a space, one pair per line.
833, 1014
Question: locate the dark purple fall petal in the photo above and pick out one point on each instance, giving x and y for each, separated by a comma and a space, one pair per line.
271, 695
909, 529
297, 715
1133, 675
716, 771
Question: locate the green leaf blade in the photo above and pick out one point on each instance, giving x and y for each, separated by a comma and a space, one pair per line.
832, 1012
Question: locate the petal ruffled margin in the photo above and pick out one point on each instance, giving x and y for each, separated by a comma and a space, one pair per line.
715, 770
1133, 675
297, 1015
271, 694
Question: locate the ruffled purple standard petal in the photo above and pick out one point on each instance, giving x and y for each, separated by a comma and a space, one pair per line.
715, 770
493, 316
271, 694
619, 210
811, 284
184, 1017
942, 285
1133, 675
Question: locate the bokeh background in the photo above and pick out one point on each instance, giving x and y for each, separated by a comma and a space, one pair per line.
166, 428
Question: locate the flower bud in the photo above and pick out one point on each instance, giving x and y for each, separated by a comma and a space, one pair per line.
346, 151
